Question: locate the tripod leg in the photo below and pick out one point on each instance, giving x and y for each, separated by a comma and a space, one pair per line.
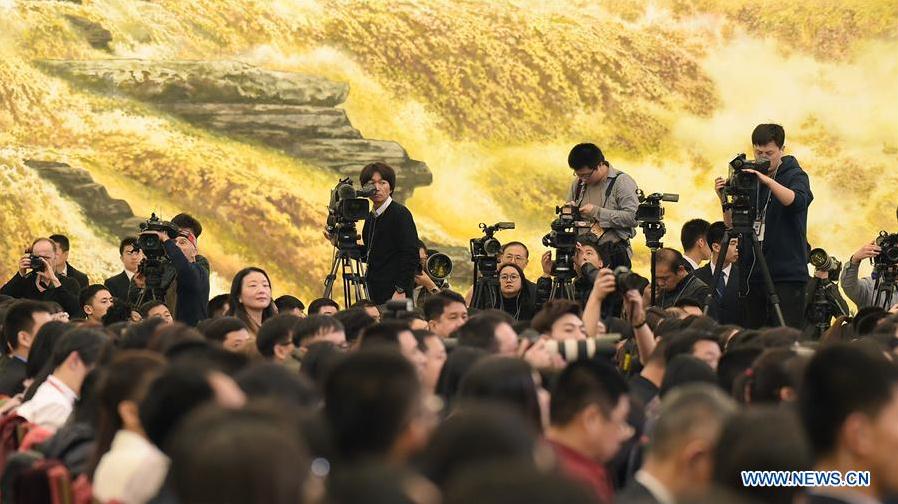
768, 281
718, 272
329, 279
654, 286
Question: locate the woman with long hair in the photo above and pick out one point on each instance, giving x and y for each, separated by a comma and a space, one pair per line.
515, 297
250, 299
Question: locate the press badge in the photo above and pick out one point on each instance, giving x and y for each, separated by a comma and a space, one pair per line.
760, 228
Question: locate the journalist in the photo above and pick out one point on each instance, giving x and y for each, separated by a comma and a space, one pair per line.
36, 279
782, 199
862, 291
390, 239
191, 284
607, 200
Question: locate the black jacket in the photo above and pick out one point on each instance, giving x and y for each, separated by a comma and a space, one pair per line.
786, 229
66, 295
12, 375
729, 311
192, 286
118, 285
391, 247
690, 287
636, 493
76, 275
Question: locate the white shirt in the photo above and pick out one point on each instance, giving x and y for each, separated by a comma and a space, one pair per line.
51, 405
726, 272
383, 207
655, 487
130, 274
131, 472
694, 264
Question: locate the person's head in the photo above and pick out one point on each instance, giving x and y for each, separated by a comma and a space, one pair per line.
686, 435
397, 336
848, 403
119, 312
170, 398
251, 294
383, 177
229, 332
130, 253
588, 163
156, 308
186, 241
316, 328
290, 305
490, 331
560, 319
511, 280
218, 306
670, 269
589, 403
435, 355
323, 306
685, 369
46, 249
692, 308
62, 250
694, 238
715, 239
370, 308
776, 376
374, 406
275, 338
513, 481
186, 222
42, 347
23, 321
504, 380
589, 252
515, 252
95, 301
768, 141
702, 345
445, 312
354, 322
75, 354
249, 455
122, 385
268, 380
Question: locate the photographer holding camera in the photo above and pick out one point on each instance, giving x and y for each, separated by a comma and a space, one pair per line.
37, 279
862, 291
191, 283
607, 200
390, 239
782, 198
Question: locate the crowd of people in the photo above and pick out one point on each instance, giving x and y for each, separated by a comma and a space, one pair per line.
144, 388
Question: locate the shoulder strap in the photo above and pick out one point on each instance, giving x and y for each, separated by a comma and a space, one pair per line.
608, 189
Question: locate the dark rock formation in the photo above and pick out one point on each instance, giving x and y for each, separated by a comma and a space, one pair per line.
97, 36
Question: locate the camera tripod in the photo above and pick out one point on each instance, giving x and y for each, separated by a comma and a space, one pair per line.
563, 275
744, 230
654, 232
884, 289
349, 261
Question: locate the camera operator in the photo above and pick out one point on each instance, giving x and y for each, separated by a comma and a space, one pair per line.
862, 291
606, 198
425, 285
191, 284
783, 197
37, 279
673, 281
390, 239
188, 222
589, 258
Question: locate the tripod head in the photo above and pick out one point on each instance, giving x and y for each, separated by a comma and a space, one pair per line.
650, 216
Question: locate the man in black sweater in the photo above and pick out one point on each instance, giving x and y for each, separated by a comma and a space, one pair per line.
784, 195
41, 283
390, 239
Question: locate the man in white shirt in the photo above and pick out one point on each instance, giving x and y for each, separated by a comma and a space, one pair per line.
74, 355
724, 306
680, 455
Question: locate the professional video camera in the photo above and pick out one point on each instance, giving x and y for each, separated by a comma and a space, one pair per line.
347, 206
650, 216
153, 264
485, 253
438, 267
563, 238
825, 262
888, 256
741, 188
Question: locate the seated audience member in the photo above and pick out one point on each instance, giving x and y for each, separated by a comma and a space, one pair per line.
127, 467
175, 393
508, 381
275, 338
516, 298
22, 323
588, 412
674, 281
354, 321
457, 365
268, 380
120, 311
848, 404
156, 308
62, 265
395, 335
369, 307
218, 306
290, 305
229, 332
645, 386
702, 345
250, 298
680, 454
692, 307
130, 255
75, 354
435, 356
775, 376
384, 385
489, 331
42, 349
73, 443
315, 328
95, 301
323, 306
445, 312
505, 481
39, 282
560, 320
684, 369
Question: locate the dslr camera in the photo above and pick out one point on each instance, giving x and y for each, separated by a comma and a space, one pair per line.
346, 207
36, 263
822, 261
741, 188
438, 267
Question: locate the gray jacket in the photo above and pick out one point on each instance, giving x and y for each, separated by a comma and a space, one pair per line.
861, 290
618, 214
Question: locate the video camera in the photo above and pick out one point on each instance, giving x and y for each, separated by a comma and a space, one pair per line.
741, 189
347, 206
563, 238
485, 255
822, 261
152, 266
888, 256
650, 216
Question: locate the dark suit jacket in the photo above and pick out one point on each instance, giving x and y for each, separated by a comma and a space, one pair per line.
635, 493
729, 310
76, 275
118, 285
12, 376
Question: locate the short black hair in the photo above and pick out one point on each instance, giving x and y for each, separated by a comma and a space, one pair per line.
354, 321
126, 241
592, 241
313, 324
671, 257
552, 311
145, 308
386, 172
479, 331
218, 328
369, 398
20, 317
88, 293
170, 398
363, 303
585, 155
435, 305
692, 231
515, 243
582, 384
61, 240
684, 342
183, 220
288, 302
316, 305
118, 311
217, 303
842, 379
87, 343
766, 133
277, 330
504, 380
715, 233
383, 334
42, 347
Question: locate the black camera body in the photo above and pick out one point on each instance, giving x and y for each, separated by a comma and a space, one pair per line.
563, 238
741, 189
346, 207
822, 261
626, 280
650, 216
152, 266
485, 250
36, 263
888, 256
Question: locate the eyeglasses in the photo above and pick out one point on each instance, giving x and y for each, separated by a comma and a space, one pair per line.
509, 278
